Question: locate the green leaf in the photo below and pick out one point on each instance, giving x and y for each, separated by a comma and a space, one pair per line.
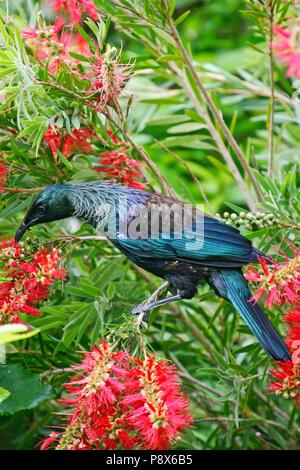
167, 120
4, 394
182, 17
80, 57
186, 127
26, 391
85, 36
234, 207
193, 142
15, 332
64, 160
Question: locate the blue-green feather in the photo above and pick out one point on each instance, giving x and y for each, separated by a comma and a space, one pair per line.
232, 285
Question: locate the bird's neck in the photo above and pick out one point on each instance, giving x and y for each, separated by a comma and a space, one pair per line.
97, 203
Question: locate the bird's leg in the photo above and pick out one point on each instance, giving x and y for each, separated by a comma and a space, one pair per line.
142, 308
158, 303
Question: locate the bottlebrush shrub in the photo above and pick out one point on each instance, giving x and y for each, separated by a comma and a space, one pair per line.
122, 402
27, 277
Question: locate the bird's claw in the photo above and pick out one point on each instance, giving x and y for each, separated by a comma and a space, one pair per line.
141, 314
138, 309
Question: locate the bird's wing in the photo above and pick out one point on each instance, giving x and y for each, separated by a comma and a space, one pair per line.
213, 243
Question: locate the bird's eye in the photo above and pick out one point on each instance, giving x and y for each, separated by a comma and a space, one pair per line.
41, 208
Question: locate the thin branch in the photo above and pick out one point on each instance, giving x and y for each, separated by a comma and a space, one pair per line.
185, 374
22, 190
58, 371
255, 89
73, 238
233, 420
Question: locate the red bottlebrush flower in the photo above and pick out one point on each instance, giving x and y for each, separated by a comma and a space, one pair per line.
287, 383
27, 282
108, 77
53, 138
118, 166
279, 282
286, 48
293, 316
293, 336
75, 9
77, 142
157, 407
122, 402
52, 43
71, 143
3, 175
94, 397
53, 437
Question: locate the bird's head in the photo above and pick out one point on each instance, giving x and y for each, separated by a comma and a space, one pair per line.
53, 203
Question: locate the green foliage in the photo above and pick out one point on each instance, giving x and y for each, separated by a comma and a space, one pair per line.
20, 390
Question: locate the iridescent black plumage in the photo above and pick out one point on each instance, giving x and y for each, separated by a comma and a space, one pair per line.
207, 250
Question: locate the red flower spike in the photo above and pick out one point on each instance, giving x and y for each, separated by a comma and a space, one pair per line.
27, 282
108, 77
71, 143
3, 175
121, 402
156, 406
118, 166
292, 316
53, 138
75, 9
54, 44
77, 142
280, 283
286, 48
287, 383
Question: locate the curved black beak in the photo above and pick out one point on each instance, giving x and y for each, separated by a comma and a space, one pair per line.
20, 232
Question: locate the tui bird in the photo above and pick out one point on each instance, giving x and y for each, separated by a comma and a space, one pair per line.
206, 250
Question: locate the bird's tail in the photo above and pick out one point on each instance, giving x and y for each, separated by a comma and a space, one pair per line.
231, 285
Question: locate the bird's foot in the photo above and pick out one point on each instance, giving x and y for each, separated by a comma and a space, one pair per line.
143, 309
142, 314
138, 309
